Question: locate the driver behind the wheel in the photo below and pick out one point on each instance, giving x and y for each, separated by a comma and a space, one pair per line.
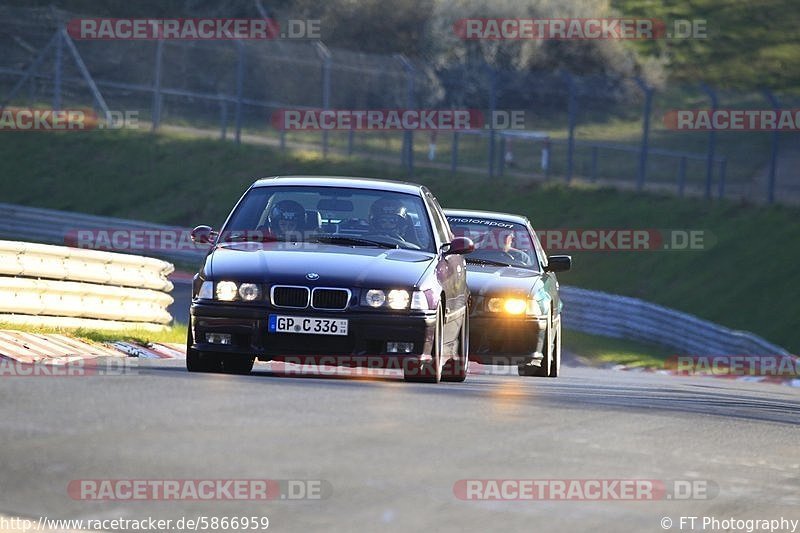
389, 217
507, 246
285, 220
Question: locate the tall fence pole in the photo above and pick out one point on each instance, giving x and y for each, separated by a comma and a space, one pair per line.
325, 56
239, 90
773, 156
492, 75
157, 85
712, 142
57, 71
408, 135
648, 105
571, 112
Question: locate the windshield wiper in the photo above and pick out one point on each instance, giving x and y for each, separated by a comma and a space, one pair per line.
355, 241
487, 262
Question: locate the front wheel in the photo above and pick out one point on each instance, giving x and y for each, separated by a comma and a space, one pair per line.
429, 372
456, 369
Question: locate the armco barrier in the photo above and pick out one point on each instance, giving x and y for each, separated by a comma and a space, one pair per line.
624, 317
588, 311
60, 286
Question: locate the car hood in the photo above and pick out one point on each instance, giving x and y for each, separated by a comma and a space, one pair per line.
337, 266
487, 279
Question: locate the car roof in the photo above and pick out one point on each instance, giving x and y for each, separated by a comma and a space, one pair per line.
505, 217
342, 181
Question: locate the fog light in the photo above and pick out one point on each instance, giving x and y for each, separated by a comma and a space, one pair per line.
218, 338
399, 347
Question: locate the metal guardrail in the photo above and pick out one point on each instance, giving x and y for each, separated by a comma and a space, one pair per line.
610, 315
59, 227
59, 286
588, 311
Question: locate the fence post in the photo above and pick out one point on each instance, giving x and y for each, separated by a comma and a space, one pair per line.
58, 68
223, 118
682, 176
454, 153
648, 105
712, 142
157, 87
492, 74
571, 112
31, 70
722, 166
239, 90
773, 156
408, 135
502, 170
325, 55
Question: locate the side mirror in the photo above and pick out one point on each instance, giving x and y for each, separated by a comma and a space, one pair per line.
204, 235
460, 246
558, 263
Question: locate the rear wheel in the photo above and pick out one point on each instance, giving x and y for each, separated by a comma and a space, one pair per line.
430, 372
456, 369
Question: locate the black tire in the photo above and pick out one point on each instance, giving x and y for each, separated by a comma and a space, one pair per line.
455, 370
543, 370
555, 362
429, 373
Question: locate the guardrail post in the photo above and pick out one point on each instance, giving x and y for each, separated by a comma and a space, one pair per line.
712, 142
157, 86
239, 90
571, 112
648, 105
773, 156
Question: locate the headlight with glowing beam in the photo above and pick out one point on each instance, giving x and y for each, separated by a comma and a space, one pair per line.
226, 291
512, 306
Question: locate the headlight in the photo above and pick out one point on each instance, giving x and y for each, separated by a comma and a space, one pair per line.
375, 297
515, 306
512, 306
226, 291
398, 299
206, 291
249, 292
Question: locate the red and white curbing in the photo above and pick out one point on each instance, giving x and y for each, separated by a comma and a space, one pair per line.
52, 349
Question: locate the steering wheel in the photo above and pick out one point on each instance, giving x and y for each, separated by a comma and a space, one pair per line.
392, 239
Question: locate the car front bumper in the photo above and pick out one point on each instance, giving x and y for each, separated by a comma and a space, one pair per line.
506, 340
364, 345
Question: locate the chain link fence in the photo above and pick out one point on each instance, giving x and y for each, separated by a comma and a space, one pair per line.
597, 129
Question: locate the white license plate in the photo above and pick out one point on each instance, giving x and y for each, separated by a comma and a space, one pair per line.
308, 325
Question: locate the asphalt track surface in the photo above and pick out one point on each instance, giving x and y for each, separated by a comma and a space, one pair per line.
392, 452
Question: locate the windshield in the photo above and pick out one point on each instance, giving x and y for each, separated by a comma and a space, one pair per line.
497, 242
334, 215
